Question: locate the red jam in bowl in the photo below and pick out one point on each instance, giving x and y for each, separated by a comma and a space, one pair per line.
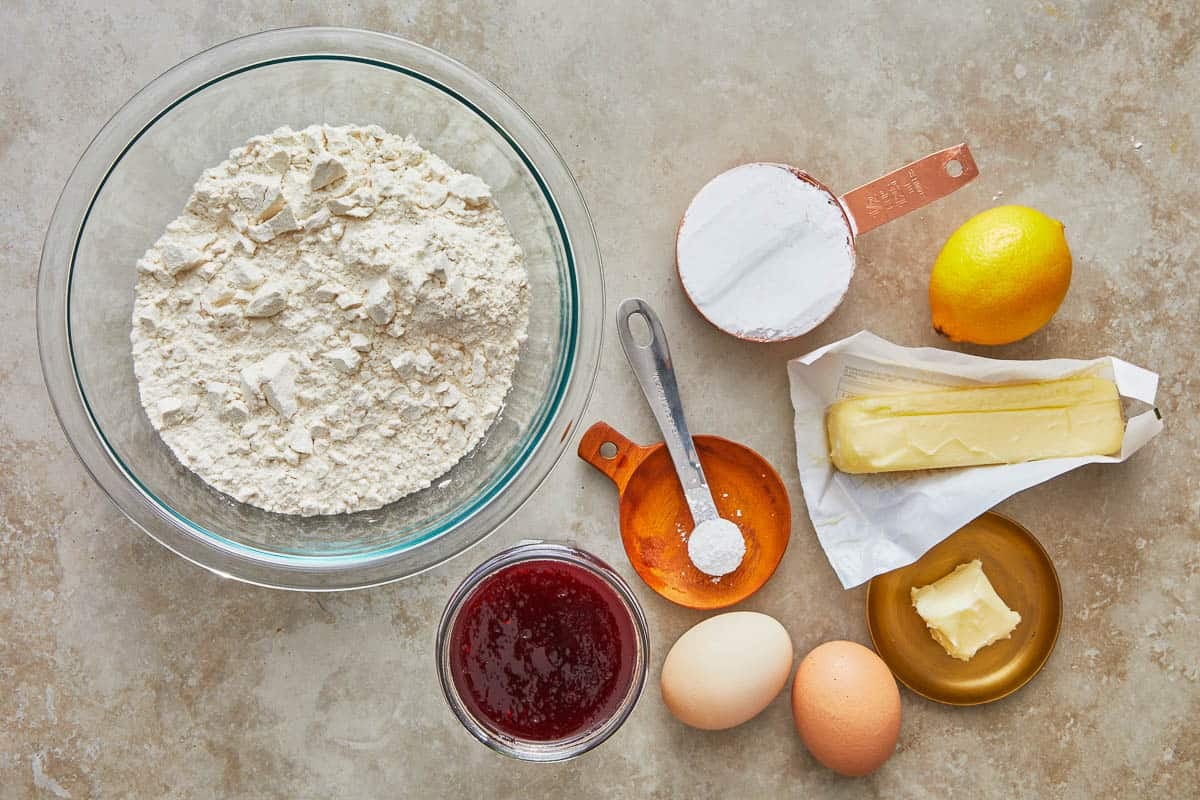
543, 650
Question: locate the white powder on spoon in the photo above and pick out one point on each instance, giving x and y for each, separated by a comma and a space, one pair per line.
716, 547
764, 254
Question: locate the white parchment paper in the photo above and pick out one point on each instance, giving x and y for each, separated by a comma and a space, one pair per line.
871, 524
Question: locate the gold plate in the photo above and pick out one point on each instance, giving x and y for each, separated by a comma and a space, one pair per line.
1024, 577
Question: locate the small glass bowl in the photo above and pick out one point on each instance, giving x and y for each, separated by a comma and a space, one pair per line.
560, 749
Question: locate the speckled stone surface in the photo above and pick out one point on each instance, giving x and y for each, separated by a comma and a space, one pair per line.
125, 672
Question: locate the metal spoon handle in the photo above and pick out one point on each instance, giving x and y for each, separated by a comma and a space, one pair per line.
652, 365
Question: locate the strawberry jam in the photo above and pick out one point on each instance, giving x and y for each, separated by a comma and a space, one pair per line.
543, 650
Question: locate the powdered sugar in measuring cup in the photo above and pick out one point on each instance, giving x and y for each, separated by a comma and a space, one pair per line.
766, 252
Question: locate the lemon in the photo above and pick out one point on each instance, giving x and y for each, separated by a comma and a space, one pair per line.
1000, 277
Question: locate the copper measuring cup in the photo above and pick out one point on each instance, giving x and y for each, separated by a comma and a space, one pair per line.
655, 519
863, 209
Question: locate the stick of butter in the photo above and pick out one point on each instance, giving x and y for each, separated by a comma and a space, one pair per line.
963, 611
1005, 424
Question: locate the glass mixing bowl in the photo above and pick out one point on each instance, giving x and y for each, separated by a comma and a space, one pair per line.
135, 177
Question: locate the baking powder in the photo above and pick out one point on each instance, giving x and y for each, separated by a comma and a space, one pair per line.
716, 547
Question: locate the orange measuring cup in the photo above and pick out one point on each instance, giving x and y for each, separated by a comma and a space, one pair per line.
655, 519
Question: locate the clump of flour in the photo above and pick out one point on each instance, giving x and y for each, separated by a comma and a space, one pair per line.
332, 323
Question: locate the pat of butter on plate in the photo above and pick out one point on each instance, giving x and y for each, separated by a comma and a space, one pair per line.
963, 612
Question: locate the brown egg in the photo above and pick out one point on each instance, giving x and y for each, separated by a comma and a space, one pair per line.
847, 707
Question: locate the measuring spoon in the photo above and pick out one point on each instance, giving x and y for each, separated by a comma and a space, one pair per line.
765, 251
715, 545
655, 372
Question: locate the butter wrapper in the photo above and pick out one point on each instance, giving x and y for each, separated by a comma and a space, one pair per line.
871, 524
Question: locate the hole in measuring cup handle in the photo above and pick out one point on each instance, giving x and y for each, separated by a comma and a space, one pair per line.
608, 450
954, 168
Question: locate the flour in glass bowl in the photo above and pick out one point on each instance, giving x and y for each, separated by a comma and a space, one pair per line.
332, 323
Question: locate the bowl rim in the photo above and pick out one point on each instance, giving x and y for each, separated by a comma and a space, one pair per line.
572, 385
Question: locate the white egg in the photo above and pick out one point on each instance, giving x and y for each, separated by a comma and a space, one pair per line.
725, 670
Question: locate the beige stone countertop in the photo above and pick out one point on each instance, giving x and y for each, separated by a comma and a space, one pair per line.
126, 672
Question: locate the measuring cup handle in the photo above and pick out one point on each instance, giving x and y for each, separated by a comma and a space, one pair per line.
624, 460
908, 188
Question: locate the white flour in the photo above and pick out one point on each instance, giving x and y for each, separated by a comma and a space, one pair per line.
332, 323
763, 254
